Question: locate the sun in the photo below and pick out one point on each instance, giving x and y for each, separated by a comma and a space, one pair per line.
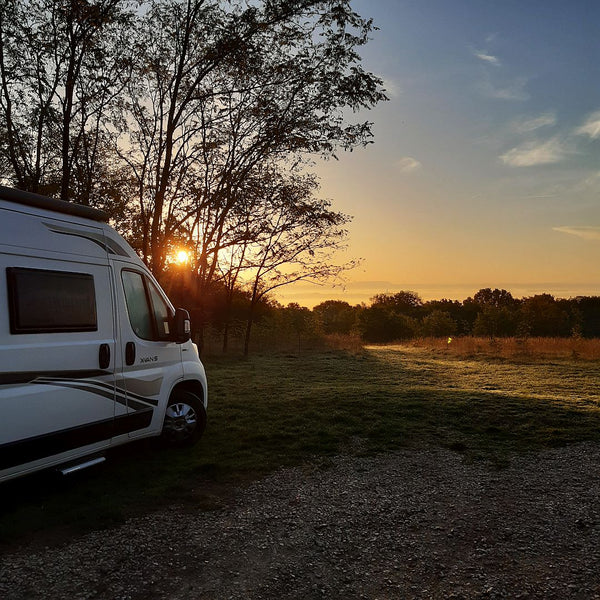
182, 257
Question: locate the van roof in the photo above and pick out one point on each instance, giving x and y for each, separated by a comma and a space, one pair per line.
39, 201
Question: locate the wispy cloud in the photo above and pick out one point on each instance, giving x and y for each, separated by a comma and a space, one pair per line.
529, 124
535, 153
511, 90
591, 127
587, 233
408, 164
487, 58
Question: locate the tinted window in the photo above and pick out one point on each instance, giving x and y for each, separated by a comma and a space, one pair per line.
149, 315
43, 301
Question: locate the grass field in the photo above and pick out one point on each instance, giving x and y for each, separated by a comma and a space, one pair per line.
278, 410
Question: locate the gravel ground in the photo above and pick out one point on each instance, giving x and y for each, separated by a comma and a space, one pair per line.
417, 524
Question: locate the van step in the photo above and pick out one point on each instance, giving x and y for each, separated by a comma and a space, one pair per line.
83, 465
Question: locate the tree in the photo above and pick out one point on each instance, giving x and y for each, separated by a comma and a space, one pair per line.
438, 324
62, 68
586, 315
404, 302
541, 315
335, 316
496, 298
223, 89
379, 324
496, 321
297, 239
457, 312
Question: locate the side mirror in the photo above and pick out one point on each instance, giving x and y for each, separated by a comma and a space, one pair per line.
183, 326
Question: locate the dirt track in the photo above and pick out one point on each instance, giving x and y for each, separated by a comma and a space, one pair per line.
409, 525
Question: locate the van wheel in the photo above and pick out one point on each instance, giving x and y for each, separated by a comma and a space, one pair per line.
185, 419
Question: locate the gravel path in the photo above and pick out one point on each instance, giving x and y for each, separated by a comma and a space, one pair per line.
410, 525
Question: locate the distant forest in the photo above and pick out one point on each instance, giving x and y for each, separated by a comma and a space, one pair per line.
404, 315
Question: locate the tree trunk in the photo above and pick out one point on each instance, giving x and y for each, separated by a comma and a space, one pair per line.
249, 328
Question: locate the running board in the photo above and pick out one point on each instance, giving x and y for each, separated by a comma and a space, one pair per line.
83, 465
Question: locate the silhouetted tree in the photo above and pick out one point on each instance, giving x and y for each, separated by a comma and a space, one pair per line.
457, 312
541, 315
587, 315
335, 316
496, 298
438, 324
404, 302
224, 89
63, 64
297, 240
495, 321
380, 324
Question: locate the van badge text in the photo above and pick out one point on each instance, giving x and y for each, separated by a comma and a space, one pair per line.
148, 359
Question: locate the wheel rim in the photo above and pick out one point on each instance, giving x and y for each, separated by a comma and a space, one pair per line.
181, 421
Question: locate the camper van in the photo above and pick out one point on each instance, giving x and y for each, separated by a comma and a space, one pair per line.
92, 352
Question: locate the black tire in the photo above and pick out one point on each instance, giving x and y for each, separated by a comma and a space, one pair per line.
185, 420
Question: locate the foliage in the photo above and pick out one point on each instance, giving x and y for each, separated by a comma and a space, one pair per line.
404, 302
491, 313
335, 316
438, 324
62, 70
387, 320
383, 324
228, 96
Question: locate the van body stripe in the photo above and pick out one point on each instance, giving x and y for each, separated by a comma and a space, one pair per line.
75, 379
103, 389
28, 377
35, 448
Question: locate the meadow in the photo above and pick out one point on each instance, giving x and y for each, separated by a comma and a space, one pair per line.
275, 410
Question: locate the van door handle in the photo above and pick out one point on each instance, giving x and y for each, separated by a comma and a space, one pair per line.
104, 356
129, 353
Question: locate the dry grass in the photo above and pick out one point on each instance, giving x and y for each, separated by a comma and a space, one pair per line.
514, 348
347, 343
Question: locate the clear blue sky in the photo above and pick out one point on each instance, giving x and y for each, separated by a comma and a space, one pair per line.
485, 169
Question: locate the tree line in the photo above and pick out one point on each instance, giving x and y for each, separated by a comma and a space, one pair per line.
404, 315
489, 313
194, 124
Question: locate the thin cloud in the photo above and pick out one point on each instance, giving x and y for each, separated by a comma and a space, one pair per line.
529, 124
513, 90
408, 164
487, 58
535, 153
586, 233
591, 127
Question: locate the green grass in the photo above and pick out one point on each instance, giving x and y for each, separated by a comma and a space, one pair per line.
272, 411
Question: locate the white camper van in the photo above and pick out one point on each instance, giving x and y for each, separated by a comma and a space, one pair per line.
92, 353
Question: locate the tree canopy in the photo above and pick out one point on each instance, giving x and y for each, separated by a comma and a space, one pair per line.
193, 122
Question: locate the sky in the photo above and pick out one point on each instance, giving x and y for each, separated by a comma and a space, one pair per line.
485, 166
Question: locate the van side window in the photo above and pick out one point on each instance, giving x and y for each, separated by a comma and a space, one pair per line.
149, 314
42, 301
